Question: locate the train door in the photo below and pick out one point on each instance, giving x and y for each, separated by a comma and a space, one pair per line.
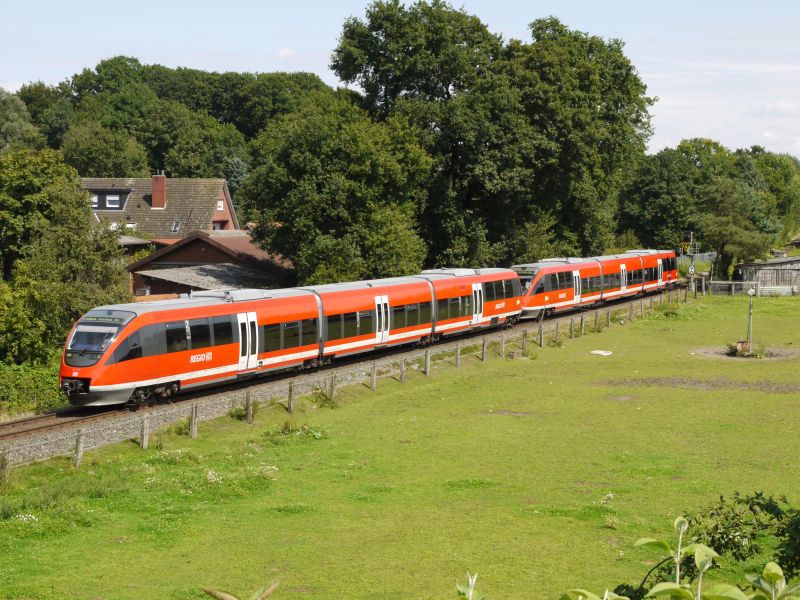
623, 277
381, 319
248, 341
660, 274
477, 303
576, 285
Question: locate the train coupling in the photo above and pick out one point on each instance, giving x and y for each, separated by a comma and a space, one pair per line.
74, 386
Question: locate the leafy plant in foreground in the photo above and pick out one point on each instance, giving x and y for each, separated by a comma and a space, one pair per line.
468, 591
264, 592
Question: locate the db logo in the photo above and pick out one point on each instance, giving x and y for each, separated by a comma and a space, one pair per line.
202, 357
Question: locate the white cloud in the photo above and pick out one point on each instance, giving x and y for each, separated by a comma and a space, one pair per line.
287, 54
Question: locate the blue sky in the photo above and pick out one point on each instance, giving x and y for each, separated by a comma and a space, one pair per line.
725, 70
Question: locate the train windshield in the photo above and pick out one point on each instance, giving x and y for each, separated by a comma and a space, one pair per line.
526, 276
95, 331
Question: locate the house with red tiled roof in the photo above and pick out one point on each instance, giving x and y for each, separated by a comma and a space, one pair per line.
160, 208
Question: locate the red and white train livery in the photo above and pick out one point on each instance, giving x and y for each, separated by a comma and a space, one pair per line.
559, 284
133, 352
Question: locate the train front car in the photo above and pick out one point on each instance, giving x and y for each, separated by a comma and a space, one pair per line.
87, 348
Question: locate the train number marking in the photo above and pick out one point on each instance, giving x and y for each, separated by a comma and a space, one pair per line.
202, 357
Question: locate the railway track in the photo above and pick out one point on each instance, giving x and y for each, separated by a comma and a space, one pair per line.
26, 431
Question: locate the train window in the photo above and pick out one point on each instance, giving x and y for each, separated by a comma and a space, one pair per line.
153, 341
223, 332
129, 349
424, 312
488, 291
539, 287
200, 332
350, 325
553, 282
412, 315
398, 317
516, 288
291, 334
270, 337
466, 306
454, 307
334, 327
242, 339
441, 309
309, 333
253, 338
176, 336
365, 322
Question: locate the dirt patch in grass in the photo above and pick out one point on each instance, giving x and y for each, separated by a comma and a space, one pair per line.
724, 353
511, 413
709, 384
623, 398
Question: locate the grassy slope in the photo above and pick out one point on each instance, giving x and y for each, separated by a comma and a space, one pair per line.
496, 468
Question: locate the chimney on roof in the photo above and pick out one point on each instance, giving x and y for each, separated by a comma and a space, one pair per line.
159, 194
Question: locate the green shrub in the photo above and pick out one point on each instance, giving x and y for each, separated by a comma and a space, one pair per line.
30, 388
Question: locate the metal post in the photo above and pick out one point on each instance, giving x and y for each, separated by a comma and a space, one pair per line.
248, 407
374, 381
290, 399
571, 327
750, 322
193, 421
79, 438
428, 362
524, 341
144, 438
5, 470
483, 349
402, 370
703, 284
458, 355
583, 328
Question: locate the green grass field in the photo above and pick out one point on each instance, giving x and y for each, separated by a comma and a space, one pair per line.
537, 473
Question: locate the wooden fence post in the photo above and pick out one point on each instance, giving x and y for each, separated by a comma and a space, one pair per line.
596, 321
703, 284
541, 335
195, 415
428, 362
458, 355
332, 388
524, 341
4, 468
483, 349
583, 326
144, 438
608, 318
403, 370
79, 439
630, 311
651, 302
558, 336
248, 408
290, 399
641, 307
503, 345
686, 294
571, 327
374, 381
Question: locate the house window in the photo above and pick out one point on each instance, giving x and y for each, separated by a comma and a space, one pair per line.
94, 200
217, 225
176, 225
112, 201
131, 226
220, 204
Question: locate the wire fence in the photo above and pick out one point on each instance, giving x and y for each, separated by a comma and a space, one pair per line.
285, 394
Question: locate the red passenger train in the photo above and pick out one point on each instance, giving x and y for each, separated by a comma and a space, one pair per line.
559, 284
134, 352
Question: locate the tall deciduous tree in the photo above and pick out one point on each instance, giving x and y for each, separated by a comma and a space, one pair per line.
16, 130
95, 151
336, 192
